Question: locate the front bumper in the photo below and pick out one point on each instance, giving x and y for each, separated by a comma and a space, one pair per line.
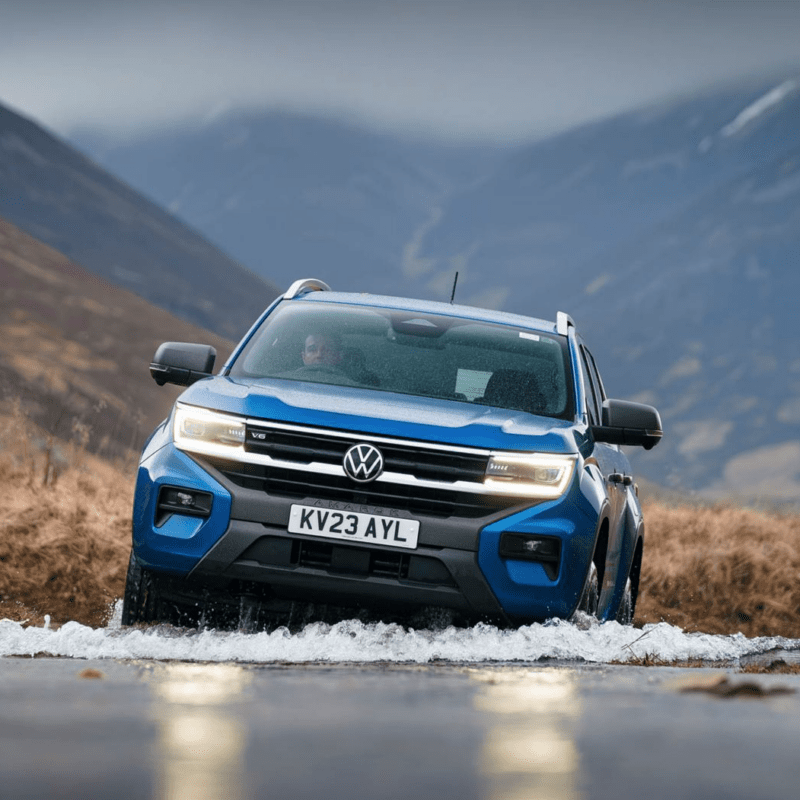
456, 564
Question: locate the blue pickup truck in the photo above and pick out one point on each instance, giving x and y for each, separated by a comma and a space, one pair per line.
384, 456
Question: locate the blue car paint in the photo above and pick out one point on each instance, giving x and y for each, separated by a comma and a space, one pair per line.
382, 413
577, 379
573, 522
179, 544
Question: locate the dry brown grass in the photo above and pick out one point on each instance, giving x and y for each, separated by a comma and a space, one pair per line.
75, 397
721, 569
64, 536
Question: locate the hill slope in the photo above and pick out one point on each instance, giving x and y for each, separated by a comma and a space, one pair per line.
75, 350
700, 319
63, 199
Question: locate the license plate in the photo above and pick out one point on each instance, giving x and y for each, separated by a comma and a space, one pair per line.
354, 527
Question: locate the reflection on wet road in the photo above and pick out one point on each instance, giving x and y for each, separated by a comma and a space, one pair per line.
197, 731
529, 749
201, 734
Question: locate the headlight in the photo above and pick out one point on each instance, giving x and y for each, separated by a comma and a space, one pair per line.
532, 475
199, 430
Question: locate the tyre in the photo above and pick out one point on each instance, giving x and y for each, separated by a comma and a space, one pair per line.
590, 598
625, 610
152, 597
141, 600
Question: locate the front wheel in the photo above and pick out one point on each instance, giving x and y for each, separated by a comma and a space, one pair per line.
141, 600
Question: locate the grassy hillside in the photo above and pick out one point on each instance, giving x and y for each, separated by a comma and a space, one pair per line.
64, 199
721, 569
64, 538
75, 350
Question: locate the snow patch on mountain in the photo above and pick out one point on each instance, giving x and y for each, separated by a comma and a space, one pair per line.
760, 106
414, 263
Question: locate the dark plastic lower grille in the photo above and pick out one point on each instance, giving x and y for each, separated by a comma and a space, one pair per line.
320, 555
359, 561
295, 484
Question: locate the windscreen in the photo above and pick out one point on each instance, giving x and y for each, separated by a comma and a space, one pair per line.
406, 352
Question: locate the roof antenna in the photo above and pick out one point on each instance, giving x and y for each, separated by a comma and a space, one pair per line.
453, 293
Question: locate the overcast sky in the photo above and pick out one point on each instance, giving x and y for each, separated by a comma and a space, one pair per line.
502, 70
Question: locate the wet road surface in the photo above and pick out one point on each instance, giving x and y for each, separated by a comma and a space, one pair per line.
197, 731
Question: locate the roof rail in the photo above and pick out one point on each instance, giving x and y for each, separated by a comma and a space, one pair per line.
563, 322
305, 285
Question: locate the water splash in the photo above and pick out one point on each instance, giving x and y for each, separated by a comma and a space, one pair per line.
352, 641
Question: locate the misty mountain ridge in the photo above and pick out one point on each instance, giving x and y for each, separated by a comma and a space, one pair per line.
291, 195
557, 205
66, 201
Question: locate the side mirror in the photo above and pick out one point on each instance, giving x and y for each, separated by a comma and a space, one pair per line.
182, 363
629, 423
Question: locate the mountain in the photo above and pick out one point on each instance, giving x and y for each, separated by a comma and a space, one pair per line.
699, 318
63, 199
293, 196
75, 350
553, 208
670, 234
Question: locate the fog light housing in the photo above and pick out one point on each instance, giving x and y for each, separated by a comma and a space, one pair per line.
180, 500
545, 550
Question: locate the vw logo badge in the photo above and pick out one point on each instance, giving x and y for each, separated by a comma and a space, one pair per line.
363, 463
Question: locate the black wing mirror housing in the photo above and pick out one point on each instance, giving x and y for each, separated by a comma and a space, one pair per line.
182, 363
630, 423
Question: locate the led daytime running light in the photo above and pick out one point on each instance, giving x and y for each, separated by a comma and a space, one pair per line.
199, 430
533, 475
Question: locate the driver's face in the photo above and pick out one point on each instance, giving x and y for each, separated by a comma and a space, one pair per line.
321, 350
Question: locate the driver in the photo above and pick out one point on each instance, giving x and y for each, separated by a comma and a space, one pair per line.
323, 356
322, 349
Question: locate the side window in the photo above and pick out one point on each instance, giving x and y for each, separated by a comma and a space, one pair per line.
592, 404
600, 392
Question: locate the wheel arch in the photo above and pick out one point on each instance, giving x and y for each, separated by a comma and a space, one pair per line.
599, 551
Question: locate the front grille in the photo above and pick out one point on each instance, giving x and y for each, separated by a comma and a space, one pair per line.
297, 485
303, 447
